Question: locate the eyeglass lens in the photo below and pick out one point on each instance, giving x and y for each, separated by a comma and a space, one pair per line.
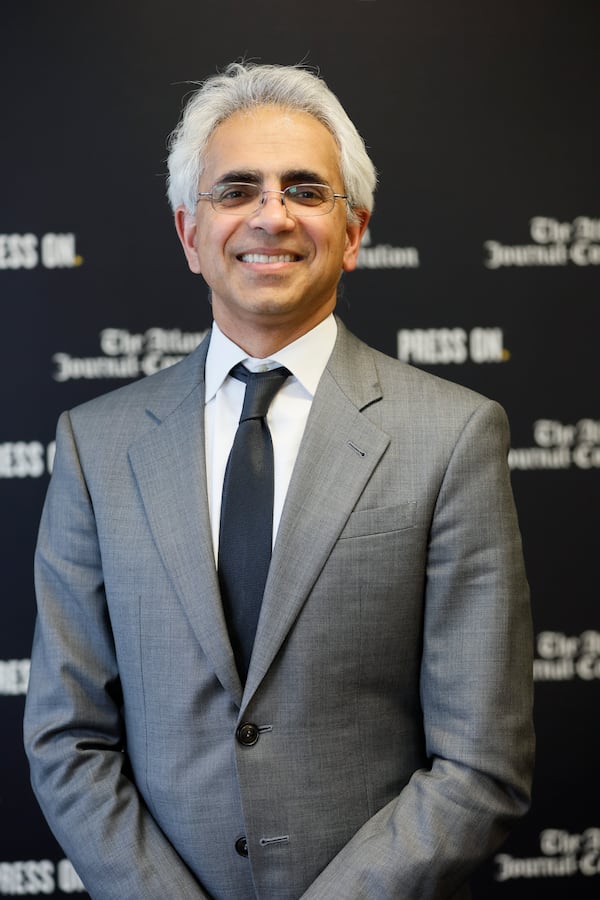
303, 199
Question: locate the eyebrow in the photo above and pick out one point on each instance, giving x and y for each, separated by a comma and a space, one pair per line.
292, 176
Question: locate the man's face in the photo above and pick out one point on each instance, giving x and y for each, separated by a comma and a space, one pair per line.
295, 288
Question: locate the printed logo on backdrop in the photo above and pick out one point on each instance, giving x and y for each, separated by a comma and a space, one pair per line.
559, 446
28, 251
38, 876
552, 243
14, 677
125, 355
26, 459
384, 256
561, 855
561, 657
445, 346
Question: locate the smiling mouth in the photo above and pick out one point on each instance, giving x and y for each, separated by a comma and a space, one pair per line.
268, 257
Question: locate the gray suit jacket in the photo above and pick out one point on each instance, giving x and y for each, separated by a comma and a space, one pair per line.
390, 682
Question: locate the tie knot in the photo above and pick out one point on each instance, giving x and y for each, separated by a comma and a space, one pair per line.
261, 387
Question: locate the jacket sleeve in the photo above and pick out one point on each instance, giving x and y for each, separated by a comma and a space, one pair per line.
476, 693
74, 731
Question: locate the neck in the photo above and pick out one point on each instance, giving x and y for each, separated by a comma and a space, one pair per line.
260, 343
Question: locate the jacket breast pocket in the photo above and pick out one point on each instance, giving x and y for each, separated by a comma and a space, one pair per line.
380, 520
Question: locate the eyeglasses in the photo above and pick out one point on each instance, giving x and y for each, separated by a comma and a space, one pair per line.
240, 199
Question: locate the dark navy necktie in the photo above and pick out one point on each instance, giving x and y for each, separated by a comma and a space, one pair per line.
246, 527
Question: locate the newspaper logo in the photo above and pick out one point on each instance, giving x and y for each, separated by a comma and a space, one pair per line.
562, 855
559, 446
127, 355
554, 243
561, 657
384, 256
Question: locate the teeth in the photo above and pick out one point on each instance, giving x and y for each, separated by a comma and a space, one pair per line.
265, 258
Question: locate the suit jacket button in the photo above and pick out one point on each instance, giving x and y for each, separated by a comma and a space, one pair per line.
247, 734
241, 846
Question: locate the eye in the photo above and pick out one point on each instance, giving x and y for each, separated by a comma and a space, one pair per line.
234, 194
309, 194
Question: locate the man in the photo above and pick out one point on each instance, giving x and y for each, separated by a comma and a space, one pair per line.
366, 731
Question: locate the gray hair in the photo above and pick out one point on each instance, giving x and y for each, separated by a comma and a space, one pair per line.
247, 85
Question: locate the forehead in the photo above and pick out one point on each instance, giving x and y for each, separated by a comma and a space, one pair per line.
271, 140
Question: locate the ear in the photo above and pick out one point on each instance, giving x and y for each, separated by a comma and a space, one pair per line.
185, 225
354, 233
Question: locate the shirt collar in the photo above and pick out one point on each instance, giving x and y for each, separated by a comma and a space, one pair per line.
305, 357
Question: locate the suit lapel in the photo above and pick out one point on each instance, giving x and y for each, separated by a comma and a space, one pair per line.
340, 449
169, 464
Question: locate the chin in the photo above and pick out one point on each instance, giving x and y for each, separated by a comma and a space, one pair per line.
270, 305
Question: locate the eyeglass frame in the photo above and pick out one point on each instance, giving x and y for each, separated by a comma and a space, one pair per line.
209, 195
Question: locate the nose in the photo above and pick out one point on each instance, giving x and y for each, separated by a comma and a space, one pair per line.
272, 216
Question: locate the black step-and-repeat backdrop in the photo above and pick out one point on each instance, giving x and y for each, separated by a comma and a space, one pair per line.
482, 264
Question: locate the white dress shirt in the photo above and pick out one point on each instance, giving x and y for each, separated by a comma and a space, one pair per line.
306, 359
